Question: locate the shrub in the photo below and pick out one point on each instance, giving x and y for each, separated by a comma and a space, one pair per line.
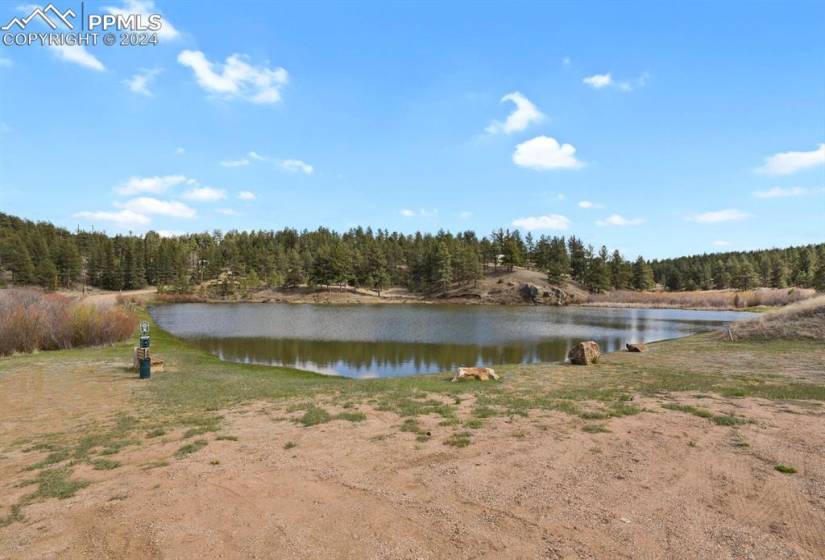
803, 320
32, 320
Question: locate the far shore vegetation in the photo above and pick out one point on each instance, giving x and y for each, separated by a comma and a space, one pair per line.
221, 264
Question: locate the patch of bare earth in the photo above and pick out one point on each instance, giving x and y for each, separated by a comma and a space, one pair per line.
660, 484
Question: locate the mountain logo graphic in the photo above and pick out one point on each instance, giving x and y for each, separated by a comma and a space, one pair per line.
43, 14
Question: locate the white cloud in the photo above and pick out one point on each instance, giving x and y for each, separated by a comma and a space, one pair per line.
154, 185
720, 243
147, 205
407, 213
296, 165
144, 8
588, 204
77, 54
551, 221
236, 78
728, 215
256, 156
180, 151
785, 163
630, 85
139, 83
465, 215
598, 81
170, 232
779, 192
227, 212
522, 116
544, 152
246, 195
619, 220
204, 194
235, 162
5, 62
123, 218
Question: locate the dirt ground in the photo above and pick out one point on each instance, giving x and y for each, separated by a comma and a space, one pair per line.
659, 484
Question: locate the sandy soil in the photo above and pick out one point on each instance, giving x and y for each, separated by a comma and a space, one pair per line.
661, 484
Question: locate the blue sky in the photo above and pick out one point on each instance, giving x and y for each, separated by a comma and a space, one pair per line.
657, 128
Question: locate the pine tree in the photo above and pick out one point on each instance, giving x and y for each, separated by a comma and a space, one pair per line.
444, 268
642, 275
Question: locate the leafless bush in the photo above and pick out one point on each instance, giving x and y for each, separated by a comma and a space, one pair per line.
32, 320
711, 299
180, 298
803, 320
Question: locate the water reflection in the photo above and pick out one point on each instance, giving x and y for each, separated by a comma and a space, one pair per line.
391, 340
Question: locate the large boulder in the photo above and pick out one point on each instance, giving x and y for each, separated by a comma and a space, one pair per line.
584, 353
479, 373
636, 347
530, 292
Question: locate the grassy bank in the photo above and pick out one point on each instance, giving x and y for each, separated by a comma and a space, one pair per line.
184, 406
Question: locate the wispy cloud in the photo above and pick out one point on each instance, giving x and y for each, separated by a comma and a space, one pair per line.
123, 218
780, 192
522, 116
247, 195
235, 162
5, 62
147, 205
296, 166
153, 185
180, 151
719, 216
588, 204
544, 153
77, 54
619, 220
236, 78
465, 215
600, 81
721, 243
227, 212
549, 222
786, 163
140, 82
204, 194
423, 213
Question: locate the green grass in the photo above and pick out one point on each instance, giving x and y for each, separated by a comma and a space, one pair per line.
190, 448
785, 469
459, 439
105, 464
54, 483
14, 515
474, 423
718, 419
224, 437
351, 416
595, 428
314, 416
157, 432
290, 445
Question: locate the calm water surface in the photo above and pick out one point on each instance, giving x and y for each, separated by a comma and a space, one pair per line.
390, 340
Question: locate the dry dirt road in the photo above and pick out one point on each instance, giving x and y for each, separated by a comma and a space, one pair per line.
660, 484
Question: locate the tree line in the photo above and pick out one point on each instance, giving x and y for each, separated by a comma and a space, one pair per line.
45, 255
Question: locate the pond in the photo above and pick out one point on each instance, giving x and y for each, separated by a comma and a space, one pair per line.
400, 339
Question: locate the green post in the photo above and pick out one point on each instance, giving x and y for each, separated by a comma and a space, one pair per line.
145, 360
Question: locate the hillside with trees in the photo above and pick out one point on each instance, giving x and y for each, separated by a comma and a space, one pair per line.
52, 257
